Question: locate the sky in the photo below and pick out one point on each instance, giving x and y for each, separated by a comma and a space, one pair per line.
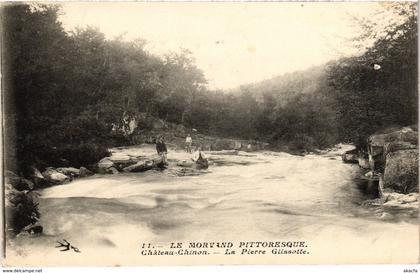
233, 43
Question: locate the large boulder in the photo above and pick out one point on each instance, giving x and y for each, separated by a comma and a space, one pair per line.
140, 167
54, 177
404, 134
144, 166
122, 160
69, 171
38, 179
84, 172
401, 171
104, 164
395, 200
398, 146
351, 156
112, 170
388, 141
402, 198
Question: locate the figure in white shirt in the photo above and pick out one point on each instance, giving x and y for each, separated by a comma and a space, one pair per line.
188, 142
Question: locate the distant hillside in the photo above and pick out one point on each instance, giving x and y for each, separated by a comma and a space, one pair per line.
298, 82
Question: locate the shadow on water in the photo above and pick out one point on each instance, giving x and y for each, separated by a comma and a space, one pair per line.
370, 204
368, 186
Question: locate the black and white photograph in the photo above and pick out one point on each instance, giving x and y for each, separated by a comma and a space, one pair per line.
209, 133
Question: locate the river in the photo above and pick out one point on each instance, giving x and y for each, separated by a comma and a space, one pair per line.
261, 196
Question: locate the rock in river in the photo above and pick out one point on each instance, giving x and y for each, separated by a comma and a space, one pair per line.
144, 166
140, 166
351, 156
118, 158
112, 170
70, 171
38, 178
104, 164
55, 177
85, 172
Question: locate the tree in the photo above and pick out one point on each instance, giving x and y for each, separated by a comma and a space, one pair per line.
368, 99
35, 48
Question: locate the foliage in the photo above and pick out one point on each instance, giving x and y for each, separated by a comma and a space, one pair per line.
368, 99
23, 210
66, 93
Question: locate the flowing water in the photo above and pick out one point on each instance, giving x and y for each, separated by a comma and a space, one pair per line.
261, 196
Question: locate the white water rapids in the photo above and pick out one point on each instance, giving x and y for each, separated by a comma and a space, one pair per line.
261, 196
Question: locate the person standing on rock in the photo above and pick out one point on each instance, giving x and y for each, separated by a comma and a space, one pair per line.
161, 149
188, 142
200, 159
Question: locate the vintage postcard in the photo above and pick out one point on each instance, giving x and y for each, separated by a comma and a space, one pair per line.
199, 133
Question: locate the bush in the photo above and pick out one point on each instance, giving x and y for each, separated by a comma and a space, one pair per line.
68, 155
73, 141
302, 142
83, 154
22, 210
85, 128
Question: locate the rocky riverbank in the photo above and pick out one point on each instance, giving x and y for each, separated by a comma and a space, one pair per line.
388, 167
242, 194
21, 202
389, 164
21, 193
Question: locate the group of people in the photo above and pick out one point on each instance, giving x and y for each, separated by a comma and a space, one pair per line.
199, 157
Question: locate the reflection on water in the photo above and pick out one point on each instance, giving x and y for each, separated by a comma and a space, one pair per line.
265, 196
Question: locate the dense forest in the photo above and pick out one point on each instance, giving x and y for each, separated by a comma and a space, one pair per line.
65, 93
